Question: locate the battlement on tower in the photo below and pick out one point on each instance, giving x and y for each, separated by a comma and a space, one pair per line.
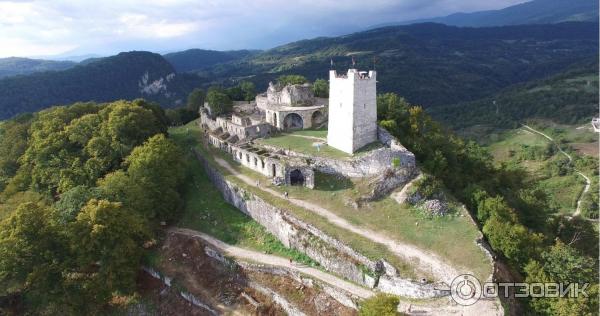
354, 74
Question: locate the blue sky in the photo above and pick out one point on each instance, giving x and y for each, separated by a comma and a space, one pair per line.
79, 27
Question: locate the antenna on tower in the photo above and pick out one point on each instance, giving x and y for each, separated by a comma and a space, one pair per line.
374, 61
331, 63
353, 62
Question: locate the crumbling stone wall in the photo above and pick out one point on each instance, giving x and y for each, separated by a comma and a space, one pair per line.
368, 164
329, 252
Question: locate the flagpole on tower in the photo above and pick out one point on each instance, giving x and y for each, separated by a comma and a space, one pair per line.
353, 63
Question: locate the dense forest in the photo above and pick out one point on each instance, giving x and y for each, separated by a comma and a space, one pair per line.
124, 76
514, 213
429, 64
83, 188
198, 59
570, 97
13, 66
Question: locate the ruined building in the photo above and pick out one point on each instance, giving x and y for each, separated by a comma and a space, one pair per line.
351, 116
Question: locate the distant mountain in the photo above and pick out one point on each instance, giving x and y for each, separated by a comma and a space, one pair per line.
12, 66
198, 59
429, 64
533, 12
569, 97
124, 76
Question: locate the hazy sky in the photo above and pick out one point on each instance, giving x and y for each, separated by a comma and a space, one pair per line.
77, 27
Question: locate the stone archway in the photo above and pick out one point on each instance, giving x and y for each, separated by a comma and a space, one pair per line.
296, 177
293, 121
317, 119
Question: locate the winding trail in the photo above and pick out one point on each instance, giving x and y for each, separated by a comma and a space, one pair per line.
255, 256
427, 261
435, 307
588, 182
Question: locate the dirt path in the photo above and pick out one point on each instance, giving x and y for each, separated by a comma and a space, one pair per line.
309, 137
259, 257
427, 262
588, 182
435, 307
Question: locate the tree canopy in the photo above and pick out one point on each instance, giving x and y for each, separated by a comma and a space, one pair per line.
291, 79
82, 187
218, 101
514, 214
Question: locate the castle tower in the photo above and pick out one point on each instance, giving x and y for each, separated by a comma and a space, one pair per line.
352, 110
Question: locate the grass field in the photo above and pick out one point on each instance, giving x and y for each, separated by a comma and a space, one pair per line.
563, 191
305, 142
451, 237
295, 141
512, 141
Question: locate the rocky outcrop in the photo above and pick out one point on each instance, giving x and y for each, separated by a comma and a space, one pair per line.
386, 182
329, 252
435, 207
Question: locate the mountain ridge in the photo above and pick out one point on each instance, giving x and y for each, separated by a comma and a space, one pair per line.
532, 12
128, 75
14, 66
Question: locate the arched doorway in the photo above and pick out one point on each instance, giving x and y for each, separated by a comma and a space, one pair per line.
317, 119
293, 121
296, 177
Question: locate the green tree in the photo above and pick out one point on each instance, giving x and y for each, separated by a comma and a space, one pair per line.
563, 263
158, 167
291, 79
235, 93
218, 101
174, 117
13, 142
380, 305
32, 252
321, 88
72, 201
107, 242
128, 125
195, 100
248, 89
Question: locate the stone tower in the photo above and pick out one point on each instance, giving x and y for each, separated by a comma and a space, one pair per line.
352, 110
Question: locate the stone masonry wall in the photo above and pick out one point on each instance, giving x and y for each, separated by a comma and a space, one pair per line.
329, 252
369, 164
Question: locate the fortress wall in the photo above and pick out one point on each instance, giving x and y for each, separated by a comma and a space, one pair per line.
328, 251
368, 164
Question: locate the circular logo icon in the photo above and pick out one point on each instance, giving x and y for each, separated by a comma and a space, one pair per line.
465, 289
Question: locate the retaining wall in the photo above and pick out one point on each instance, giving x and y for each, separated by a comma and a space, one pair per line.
329, 252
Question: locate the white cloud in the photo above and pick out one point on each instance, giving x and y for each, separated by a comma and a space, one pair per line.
46, 27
